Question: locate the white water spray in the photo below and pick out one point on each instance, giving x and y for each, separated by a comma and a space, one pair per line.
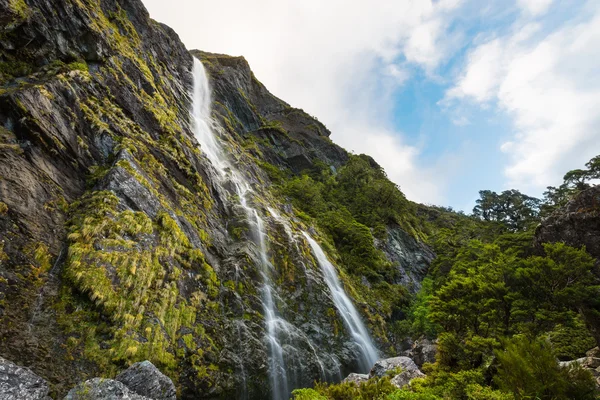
204, 133
368, 352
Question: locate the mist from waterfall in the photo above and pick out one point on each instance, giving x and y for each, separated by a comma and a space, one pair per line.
368, 352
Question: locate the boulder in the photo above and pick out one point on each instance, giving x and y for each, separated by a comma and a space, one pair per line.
579, 361
102, 389
383, 367
404, 378
595, 352
423, 351
20, 383
145, 379
356, 378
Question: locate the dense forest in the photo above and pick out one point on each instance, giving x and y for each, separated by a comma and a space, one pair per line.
503, 310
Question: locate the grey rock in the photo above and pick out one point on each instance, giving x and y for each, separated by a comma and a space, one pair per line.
102, 389
145, 379
405, 377
356, 378
382, 367
411, 257
423, 351
580, 361
20, 383
595, 352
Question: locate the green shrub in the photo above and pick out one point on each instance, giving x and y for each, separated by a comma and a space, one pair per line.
528, 368
307, 394
406, 395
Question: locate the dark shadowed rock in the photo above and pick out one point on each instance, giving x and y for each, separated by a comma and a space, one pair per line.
145, 379
423, 351
102, 389
19, 383
382, 367
576, 224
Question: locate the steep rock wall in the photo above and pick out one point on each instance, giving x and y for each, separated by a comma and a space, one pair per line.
118, 243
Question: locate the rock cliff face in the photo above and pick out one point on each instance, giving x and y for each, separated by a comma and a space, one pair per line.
577, 223
118, 243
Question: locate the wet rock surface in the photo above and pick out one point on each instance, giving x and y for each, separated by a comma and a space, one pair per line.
20, 383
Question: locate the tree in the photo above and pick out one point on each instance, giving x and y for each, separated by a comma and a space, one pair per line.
577, 179
512, 208
593, 167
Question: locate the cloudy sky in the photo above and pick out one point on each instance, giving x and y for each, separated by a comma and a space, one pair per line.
449, 96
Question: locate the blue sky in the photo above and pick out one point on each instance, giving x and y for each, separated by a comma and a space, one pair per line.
449, 96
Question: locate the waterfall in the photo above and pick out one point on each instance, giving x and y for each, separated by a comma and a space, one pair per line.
204, 133
368, 352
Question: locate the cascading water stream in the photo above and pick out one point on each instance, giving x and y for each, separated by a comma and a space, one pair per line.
368, 352
203, 131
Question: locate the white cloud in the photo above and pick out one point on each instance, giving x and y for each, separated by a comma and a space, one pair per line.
535, 7
549, 85
340, 60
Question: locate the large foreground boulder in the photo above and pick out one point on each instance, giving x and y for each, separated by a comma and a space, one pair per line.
145, 379
20, 383
102, 389
141, 381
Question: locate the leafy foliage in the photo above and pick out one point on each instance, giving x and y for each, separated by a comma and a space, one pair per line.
511, 207
528, 369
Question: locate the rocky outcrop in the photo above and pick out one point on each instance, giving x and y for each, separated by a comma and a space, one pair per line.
19, 383
285, 136
411, 257
576, 224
